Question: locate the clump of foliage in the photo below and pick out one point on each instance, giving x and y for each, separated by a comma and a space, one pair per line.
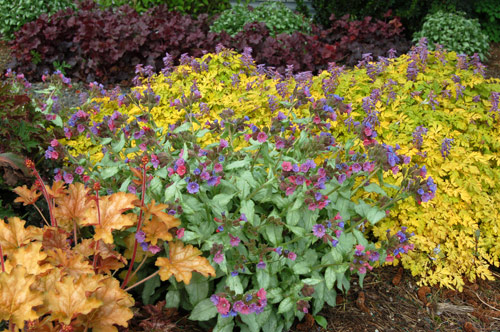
14, 14
488, 12
277, 17
455, 32
62, 276
423, 101
108, 43
353, 38
189, 7
250, 166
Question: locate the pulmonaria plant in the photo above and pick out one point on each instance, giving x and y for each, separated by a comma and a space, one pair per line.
284, 211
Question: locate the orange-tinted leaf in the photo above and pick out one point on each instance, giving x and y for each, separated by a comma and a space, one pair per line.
57, 189
86, 247
29, 256
70, 262
72, 206
69, 298
26, 196
115, 308
157, 211
155, 229
111, 208
55, 237
137, 173
16, 298
182, 261
13, 234
109, 259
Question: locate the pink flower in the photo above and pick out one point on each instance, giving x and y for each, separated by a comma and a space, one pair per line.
223, 306
218, 257
180, 233
68, 178
181, 170
261, 137
312, 207
235, 241
389, 259
79, 170
218, 168
287, 166
86, 178
54, 143
368, 131
289, 190
143, 146
223, 143
154, 249
261, 293
292, 256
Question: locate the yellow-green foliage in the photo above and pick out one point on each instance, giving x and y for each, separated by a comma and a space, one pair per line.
457, 233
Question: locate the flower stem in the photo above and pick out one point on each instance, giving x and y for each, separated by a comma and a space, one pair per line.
142, 281
139, 222
41, 214
1, 259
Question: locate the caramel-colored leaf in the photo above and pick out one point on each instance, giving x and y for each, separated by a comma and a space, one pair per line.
72, 206
182, 261
55, 237
57, 190
111, 217
69, 298
72, 263
157, 211
155, 230
16, 298
13, 234
115, 308
29, 256
26, 196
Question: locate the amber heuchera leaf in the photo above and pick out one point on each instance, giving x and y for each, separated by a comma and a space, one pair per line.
111, 209
16, 298
182, 261
29, 256
13, 234
69, 298
160, 224
70, 262
115, 308
72, 206
57, 189
26, 196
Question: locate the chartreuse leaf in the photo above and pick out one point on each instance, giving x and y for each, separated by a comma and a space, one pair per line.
204, 310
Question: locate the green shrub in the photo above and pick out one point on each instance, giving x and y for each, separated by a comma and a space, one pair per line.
488, 12
455, 32
14, 14
277, 17
192, 7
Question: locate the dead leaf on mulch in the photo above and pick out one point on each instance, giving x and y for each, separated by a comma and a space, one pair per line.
422, 294
397, 278
307, 324
468, 327
360, 302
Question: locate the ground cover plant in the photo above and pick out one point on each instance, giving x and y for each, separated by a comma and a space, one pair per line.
273, 203
455, 234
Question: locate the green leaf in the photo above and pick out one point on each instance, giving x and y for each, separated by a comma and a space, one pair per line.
109, 172
234, 284
172, 299
106, 140
263, 278
184, 127
224, 324
321, 321
118, 146
247, 207
191, 205
374, 188
237, 164
251, 321
197, 289
149, 289
222, 199
286, 305
372, 213
330, 277
204, 310
301, 267
311, 281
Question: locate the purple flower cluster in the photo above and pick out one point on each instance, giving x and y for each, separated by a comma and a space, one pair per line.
244, 304
363, 258
140, 236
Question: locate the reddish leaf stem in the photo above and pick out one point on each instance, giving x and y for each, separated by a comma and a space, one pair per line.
31, 165
139, 222
1, 259
97, 186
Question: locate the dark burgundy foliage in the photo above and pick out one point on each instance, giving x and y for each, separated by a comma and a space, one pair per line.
106, 44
